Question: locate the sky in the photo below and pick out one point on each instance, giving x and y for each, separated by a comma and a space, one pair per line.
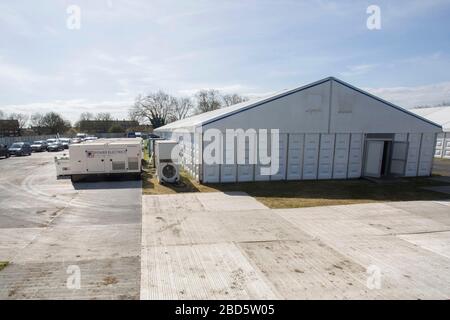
123, 48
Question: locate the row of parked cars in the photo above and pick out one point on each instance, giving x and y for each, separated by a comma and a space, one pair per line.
50, 145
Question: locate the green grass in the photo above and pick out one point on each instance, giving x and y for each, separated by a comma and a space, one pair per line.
3, 265
297, 194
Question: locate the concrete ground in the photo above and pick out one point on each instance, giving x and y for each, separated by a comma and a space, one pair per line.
50, 229
209, 245
228, 246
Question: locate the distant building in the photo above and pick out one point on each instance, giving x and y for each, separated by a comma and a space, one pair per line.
9, 128
103, 126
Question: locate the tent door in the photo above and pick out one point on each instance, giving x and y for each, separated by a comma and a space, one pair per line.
374, 158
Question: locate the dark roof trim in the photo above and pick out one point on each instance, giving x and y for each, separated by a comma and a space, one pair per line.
282, 95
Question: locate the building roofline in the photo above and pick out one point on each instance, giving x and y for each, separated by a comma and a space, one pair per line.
283, 94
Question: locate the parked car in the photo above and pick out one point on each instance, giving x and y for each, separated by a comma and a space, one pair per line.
52, 140
55, 146
20, 149
81, 136
65, 142
4, 151
39, 146
90, 138
76, 140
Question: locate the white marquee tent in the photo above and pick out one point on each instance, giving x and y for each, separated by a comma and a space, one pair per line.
328, 130
440, 115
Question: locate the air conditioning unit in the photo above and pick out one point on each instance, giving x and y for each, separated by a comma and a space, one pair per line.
166, 166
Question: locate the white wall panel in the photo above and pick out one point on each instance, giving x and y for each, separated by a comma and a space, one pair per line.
326, 156
228, 172
355, 155
281, 173
446, 146
439, 149
412, 161
310, 156
245, 171
263, 148
341, 150
426, 154
401, 137
295, 156
211, 173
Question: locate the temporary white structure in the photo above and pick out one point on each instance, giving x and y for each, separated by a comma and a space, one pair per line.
327, 130
440, 115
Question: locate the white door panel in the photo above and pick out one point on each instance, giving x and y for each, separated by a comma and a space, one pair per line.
373, 159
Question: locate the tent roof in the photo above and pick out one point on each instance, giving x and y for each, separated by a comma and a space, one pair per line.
440, 115
215, 115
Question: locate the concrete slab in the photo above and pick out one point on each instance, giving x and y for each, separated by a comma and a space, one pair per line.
438, 211
205, 271
202, 227
187, 202
47, 224
307, 253
309, 270
437, 242
115, 278
82, 243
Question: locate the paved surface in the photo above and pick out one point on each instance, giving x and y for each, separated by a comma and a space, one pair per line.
227, 246
49, 225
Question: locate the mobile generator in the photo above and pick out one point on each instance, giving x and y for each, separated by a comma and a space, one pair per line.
102, 158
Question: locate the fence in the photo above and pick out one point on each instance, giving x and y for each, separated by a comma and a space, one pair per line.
10, 140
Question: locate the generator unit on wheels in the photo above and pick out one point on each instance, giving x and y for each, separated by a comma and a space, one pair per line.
167, 167
103, 158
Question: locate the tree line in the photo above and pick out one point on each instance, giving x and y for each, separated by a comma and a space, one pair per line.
155, 108
160, 108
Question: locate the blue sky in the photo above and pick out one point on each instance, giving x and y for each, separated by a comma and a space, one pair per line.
127, 47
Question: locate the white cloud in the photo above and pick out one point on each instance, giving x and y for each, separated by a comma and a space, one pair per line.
358, 70
410, 97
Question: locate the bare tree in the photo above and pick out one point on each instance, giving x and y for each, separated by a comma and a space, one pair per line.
36, 119
55, 123
234, 98
208, 100
21, 118
155, 108
2, 115
104, 116
182, 108
86, 116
